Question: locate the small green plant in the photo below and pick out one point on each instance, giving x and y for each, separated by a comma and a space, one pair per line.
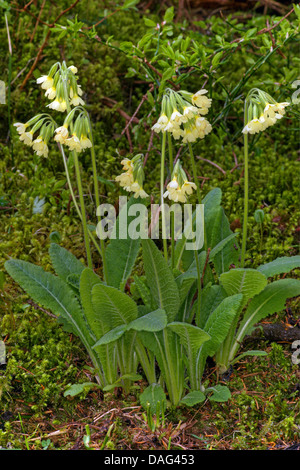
192, 304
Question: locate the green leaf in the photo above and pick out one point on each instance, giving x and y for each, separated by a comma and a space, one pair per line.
280, 266
220, 230
149, 22
64, 262
249, 353
296, 10
167, 349
130, 4
180, 251
113, 307
121, 253
55, 237
271, 300
111, 336
216, 59
167, 74
73, 280
88, 280
117, 383
143, 290
193, 398
248, 282
52, 293
211, 297
153, 321
219, 322
211, 202
153, 398
169, 15
160, 279
105, 181
259, 216
76, 389
191, 337
221, 393
217, 248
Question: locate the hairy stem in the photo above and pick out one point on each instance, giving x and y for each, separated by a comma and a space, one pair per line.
162, 183
246, 191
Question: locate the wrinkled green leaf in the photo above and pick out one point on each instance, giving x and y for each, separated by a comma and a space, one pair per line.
280, 266
160, 279
193, 398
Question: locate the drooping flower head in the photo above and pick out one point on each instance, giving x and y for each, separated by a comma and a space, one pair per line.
179, 187
132, 179
261, 111
42, 123
40, 144
79, 139
181, 114
61, 86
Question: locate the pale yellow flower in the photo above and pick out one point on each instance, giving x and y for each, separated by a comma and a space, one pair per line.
73, 69
26, 137
51, 93
200, 100
21, 128
62, 134
190, 134
138, 190
274, 110
85, 142
79, 91
40, 147
76, 101
58, 105
188, 187
45, 81
161, 123
125, 180
73, 143
177, 133
176, 116
189, 112
127, 164
253, 127
177, 193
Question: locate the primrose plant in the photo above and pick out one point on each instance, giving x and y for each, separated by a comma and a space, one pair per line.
188, 304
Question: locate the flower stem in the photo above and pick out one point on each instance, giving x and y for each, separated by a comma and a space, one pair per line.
170, 147
74, 198
196, 252
162, 183
194, 172
79, 185
96, 189
246, 190
84, 221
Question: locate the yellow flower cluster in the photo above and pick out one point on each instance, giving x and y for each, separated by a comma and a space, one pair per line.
182, 115
179, 187
61, 85
45, 125
78, 140
262, 111
133, 177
